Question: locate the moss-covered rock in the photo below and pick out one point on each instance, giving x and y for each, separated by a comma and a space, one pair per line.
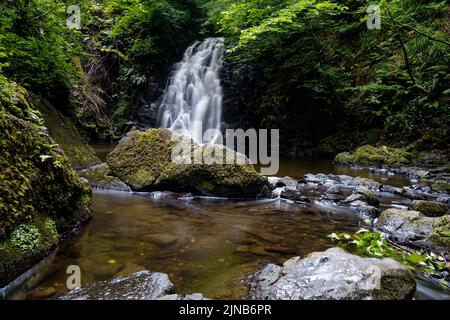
143, 160
369, 155
441, 186
99, 176
430, 208
41, 196
64, 132
441, 232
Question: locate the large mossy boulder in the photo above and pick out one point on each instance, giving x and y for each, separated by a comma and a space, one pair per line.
333, 275
150, 161
41, 196
375, 156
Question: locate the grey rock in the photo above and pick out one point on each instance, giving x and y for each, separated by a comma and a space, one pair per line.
143, 285
369, 195
413, 194
404, 225
277, 182
333, 275
292, 194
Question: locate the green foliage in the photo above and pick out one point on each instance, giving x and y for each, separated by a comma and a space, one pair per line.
374, 244
36, 175
318, 57
26, 237
39, 45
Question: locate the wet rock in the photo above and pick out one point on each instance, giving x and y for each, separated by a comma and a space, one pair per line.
362, 195
391, 189
293, 194
333, 275
143, 285
429, 208
366, 182
413, 194
41, 293
159, 160
405, 225
369, 195
365, 209
99, 176
334, 193
161, 239
282, 182
440, 235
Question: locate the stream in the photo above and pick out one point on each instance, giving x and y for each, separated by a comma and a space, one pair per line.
205, 245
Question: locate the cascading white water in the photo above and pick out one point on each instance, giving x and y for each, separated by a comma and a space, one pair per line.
192, 101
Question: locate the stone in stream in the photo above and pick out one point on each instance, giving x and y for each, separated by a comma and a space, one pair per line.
99, 176
277, 182
161, 239
406, 225
429, 208
142, 285
333, 275
293, 194
154, 160
441, 186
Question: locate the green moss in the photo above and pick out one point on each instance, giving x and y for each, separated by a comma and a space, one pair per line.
369, 155
26, 237
62, 129
441, 232
441, 186
206, 185
429, 208
41, 195
344, 158
140, 157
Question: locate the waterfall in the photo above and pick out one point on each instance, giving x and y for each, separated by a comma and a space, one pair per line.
192, 101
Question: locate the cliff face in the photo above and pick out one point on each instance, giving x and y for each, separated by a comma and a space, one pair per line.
41, 197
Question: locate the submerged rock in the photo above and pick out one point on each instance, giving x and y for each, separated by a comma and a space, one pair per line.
142, 285
99, 176
333, 275
154, 160
430, 208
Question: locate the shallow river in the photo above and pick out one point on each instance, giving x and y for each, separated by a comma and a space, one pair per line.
205, 245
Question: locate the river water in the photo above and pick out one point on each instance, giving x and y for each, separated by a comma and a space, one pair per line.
205, 245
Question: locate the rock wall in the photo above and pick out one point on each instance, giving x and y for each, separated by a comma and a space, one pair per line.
41, 197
